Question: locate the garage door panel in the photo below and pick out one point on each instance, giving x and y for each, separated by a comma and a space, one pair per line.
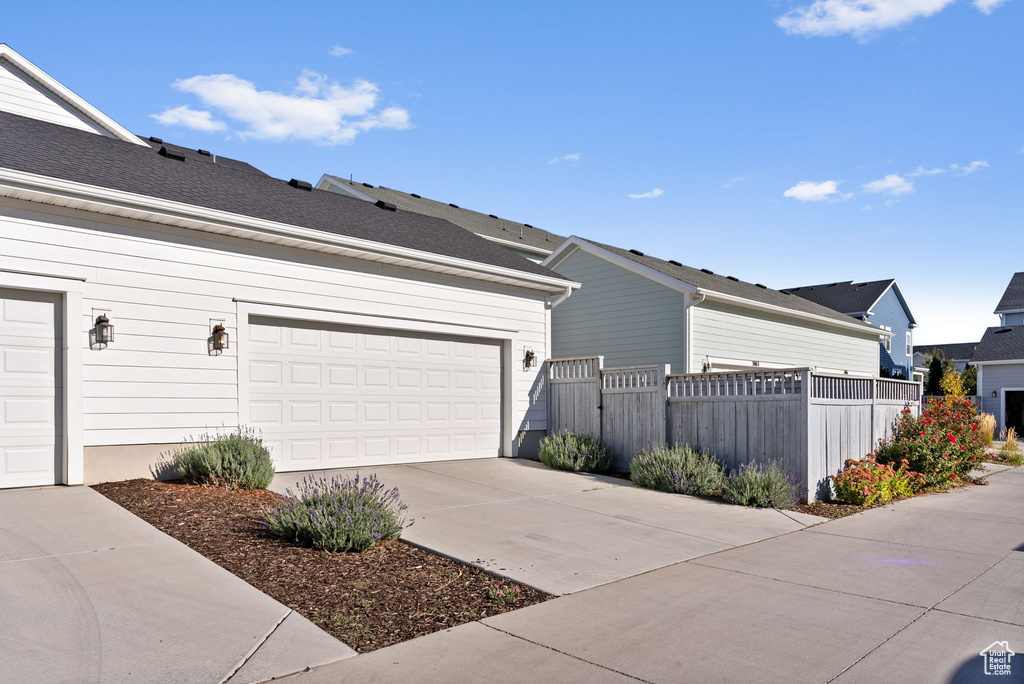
30, 388
355, 396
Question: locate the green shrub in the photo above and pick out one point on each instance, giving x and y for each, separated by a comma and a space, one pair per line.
944, 444
579, 453
238, 460
762, 486
866, 482
678, 469
340, 514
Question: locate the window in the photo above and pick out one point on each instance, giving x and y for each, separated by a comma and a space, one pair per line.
910, 345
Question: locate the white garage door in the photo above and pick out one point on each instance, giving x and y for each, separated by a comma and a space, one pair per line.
30, 388
337, 396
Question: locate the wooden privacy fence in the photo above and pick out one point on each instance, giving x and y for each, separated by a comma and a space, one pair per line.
810, 422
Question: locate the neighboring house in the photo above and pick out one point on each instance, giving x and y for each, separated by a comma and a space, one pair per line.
635, 309
880, 303
1000, 361
522, 238
958, 353
358, 334
1011, 307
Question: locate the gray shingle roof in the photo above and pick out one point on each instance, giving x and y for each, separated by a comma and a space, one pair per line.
1002, 343
956, 350
733, 287
1013, 297
47, 149
846, 297
481, 224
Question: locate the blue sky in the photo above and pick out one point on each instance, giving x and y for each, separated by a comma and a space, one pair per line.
783, 142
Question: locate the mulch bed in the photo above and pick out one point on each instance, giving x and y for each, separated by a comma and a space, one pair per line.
387, 594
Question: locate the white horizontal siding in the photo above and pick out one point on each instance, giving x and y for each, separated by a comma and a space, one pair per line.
738, 333
156, 382
625, 317
20, 94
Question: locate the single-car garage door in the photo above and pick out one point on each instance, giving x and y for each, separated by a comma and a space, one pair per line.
338, 396
30, 388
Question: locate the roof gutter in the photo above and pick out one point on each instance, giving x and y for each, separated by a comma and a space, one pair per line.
85, 197
864, 328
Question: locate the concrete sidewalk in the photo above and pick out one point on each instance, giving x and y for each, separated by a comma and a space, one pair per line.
91, 593
911, 592
557, 531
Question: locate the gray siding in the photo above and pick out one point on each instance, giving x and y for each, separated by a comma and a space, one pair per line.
1013, 319
995, 378
738, 333
625, 317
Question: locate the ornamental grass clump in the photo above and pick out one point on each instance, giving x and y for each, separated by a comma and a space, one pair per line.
340, 514
578, 453
986, 428
678, 469
238, 460
944, 444
761, 486
1010, 451
868, 482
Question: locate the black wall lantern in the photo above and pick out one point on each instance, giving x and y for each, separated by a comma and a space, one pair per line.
529, 359
102, 332
219, 340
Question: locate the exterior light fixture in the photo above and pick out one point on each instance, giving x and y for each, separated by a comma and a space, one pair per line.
102, 332
219, 340
994, 394
529, 359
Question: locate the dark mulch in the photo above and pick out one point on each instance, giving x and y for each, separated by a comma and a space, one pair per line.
390, 593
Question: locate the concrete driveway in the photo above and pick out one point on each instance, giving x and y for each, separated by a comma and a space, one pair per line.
91, 593
557, 531
912, 592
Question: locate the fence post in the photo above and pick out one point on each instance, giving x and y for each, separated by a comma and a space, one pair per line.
874, 410
664, 370
808, 474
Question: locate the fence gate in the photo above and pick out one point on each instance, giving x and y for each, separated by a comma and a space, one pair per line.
632, 410
574, 396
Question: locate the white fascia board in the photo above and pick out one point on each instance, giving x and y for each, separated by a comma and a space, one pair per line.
65, 95
1008, 362
47, 190
574, 243
865, 328
328, 181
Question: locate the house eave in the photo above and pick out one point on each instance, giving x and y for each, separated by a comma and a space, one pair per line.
53, 191
864, 328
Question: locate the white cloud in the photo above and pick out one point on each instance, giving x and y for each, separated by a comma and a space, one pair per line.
575, 156
318, 109
190, 118
808, 191
857, 17
970, 168
733, 181
988, 6
922, 171
338, 51
656, 192
893, 184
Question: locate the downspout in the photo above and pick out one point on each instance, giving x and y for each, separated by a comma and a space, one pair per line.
561, 298
688, 331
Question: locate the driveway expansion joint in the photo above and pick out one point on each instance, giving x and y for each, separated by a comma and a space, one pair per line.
256, 648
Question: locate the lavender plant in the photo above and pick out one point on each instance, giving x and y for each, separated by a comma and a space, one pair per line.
678, 469
340, 514
238, 460
761, 486
577, 452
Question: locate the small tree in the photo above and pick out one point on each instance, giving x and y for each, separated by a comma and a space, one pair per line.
935, 376
952, 384
970, 379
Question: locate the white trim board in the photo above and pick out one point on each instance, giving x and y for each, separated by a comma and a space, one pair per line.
72, 470
1002, 403
65, 95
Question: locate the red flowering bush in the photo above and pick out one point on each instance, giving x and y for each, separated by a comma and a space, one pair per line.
867, 481
944, 444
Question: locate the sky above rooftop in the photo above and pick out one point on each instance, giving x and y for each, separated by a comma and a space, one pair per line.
783, 142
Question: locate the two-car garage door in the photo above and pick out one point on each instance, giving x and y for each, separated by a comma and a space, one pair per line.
337, 396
